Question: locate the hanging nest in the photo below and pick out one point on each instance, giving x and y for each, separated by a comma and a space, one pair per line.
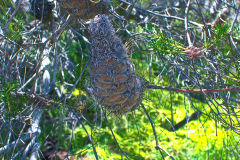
113, 80
84, 9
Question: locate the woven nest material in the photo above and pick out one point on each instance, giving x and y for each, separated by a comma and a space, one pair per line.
84, 9
113, 80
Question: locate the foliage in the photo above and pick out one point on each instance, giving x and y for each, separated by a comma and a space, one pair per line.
13, 106
197, 140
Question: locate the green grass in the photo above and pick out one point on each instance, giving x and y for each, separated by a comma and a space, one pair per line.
197, 140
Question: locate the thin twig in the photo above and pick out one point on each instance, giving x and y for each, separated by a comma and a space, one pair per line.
235, 19
34, 98
233, 43
38, 68
155, 135
15, 143
53, 38
90, 138
34, 128
235, 89
200, 13
12, 15
160, 15
186, 23
74, 31
59, 31
231, 29
122, 152
80, 76
34, 154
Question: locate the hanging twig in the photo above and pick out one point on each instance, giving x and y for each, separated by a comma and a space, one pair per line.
230, 32
186, 23
155, 135
80, 76
122, 152
235, 19
90, 138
